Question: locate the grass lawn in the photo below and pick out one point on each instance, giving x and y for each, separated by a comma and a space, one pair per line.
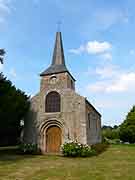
118, 162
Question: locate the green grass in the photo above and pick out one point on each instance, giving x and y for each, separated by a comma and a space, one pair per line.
118, 162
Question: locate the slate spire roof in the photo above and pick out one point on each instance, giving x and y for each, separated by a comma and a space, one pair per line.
58, 54
58, 61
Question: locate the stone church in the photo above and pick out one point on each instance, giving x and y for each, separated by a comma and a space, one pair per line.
57, 113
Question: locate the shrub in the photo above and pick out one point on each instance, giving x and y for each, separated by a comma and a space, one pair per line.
127, 133
105, 140
25, 148
127, 128
111, 141
74, 149
115, 141
100, 147
110, 133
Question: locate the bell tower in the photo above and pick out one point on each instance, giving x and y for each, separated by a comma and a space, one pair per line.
57, 75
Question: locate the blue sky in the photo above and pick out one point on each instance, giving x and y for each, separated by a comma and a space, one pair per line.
99, 43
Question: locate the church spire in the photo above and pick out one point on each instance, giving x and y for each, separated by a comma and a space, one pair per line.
58, 60
58, 54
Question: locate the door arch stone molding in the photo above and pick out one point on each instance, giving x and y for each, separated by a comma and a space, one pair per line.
43, 129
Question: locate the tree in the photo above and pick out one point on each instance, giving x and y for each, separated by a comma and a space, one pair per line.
115, 127
14, 104
127, 128
106, 127
2, 53
110, 133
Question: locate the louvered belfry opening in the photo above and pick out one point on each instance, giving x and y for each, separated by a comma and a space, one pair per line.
52, 103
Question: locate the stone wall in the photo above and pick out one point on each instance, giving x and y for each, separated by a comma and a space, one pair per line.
93, 119
62, 81
72, 119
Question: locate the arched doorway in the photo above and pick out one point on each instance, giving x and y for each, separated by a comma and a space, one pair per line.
53, 139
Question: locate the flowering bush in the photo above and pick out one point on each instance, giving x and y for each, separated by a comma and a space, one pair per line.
74, 149
28, 148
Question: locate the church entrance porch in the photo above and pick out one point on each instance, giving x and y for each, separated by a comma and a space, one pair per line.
53, 139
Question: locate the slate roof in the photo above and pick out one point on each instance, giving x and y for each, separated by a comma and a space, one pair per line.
92, 106
58, 61
54, 69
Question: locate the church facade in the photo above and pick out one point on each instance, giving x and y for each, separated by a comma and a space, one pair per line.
57, 113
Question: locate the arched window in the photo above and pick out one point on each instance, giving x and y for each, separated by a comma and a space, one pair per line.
52, 103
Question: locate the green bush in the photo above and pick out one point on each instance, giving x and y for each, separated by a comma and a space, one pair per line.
127, 128
105, 140
25, 148
127, 133
114, 141
110, 133
111, 141
100, 147
74, 149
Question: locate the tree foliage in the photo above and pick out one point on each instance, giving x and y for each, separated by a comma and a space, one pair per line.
127, 128
110, 132
13, 106
2, 53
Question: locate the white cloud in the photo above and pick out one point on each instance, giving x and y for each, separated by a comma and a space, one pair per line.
4, 6
95, 47
108, 71
4, 9
112, 79
122, 83
78, 50
99, 86
106, 56
108, 103
104, 71
125, 82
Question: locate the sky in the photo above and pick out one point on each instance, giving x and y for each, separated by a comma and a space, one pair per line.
99, 44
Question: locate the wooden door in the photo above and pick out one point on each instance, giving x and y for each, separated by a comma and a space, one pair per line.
53, 139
